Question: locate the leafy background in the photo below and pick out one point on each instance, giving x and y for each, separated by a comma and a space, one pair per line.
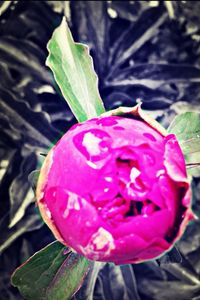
142, 50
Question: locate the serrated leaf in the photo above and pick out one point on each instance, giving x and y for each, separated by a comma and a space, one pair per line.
26, 122
30, 222
137, 35
88, 288
73, 71
33, 179
187, 129
116, 282
96, 14
52, 273
158, 73
20, 193
166, 290
173, 256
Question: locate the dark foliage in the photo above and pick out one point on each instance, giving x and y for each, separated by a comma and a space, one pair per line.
139, 53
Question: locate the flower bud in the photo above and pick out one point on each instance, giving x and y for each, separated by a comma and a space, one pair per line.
115, 188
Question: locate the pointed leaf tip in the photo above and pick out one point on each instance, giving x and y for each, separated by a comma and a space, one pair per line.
74, 73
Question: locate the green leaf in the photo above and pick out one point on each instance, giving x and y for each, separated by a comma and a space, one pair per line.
74, 73
52, 273
186, 127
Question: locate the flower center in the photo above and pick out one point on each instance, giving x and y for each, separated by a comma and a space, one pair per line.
130, 197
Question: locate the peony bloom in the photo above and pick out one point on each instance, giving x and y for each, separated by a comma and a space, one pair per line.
115, 188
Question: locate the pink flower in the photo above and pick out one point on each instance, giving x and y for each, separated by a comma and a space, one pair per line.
115, 188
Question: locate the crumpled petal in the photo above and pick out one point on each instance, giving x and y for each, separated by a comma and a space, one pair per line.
115, 189
174, 159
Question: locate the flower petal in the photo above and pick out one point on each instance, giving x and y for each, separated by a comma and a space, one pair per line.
174, 159
145, 227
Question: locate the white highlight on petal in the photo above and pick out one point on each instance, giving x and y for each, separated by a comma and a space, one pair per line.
41, 196
102, 239
92, 165
160, 172
66, 213
108, 179
47, 211
134, 174
72, 203
91, 143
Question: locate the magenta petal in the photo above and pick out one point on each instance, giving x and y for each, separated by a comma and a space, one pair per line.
143, 250
115, 189
127, 243
174, 159
146, 227
76, 228
170, 194
156, 197
153, 250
